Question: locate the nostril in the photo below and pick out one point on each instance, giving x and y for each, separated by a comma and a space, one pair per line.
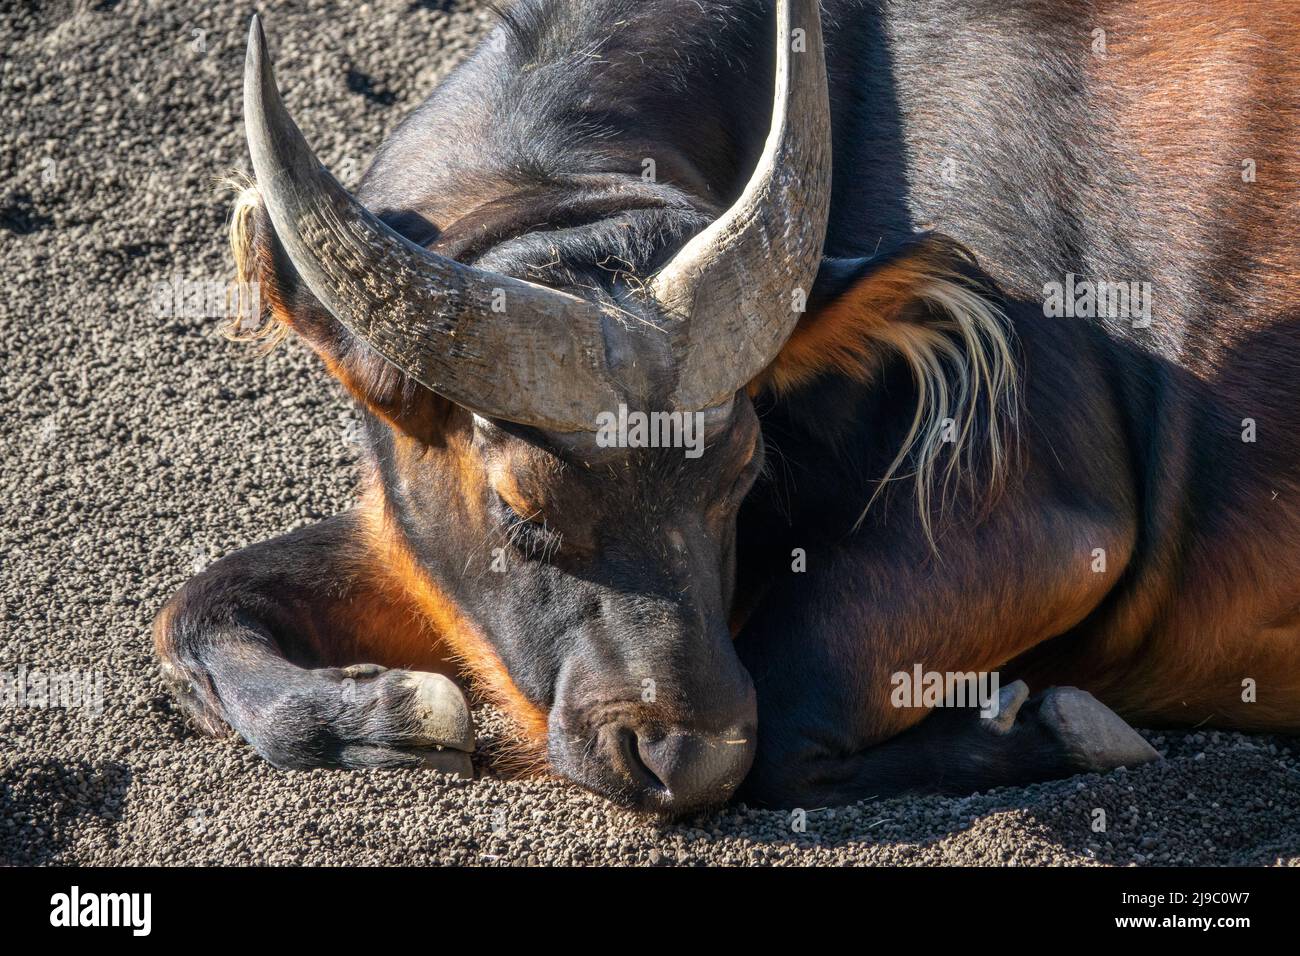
696, 769
662, 758
630, 748
672, 769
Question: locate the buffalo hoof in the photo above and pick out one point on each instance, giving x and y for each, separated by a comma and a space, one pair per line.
393, 718
442, 722
1010, 699
1096, 737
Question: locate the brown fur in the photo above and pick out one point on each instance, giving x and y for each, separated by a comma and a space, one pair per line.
1195, 89
452, 633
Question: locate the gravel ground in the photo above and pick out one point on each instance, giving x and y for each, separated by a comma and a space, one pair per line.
138, 448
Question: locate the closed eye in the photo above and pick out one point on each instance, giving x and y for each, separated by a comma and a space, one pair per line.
528, 533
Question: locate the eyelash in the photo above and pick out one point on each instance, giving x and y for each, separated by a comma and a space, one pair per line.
529, 536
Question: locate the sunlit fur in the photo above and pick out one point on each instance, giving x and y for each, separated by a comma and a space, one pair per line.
459, 640
270, 327
958, 346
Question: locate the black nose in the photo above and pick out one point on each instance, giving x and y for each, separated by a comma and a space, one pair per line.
680, 771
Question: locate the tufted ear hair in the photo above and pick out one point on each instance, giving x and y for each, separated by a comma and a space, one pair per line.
282, 302
927, 303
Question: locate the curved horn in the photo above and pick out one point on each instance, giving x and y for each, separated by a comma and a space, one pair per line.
537, 359
735, 283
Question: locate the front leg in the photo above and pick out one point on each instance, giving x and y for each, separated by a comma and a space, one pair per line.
285, 642
823, 645
1059, 733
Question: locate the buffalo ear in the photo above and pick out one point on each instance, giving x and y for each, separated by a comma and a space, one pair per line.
836, 277
927, 305
287, 304
860, 309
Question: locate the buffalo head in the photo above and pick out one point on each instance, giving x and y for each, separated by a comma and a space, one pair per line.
562, 463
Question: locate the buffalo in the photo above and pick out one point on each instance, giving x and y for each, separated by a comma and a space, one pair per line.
804, 402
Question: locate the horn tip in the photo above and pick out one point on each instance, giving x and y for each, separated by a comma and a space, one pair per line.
256, 46
260, 94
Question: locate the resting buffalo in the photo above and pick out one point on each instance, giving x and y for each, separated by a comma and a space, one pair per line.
728, 367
